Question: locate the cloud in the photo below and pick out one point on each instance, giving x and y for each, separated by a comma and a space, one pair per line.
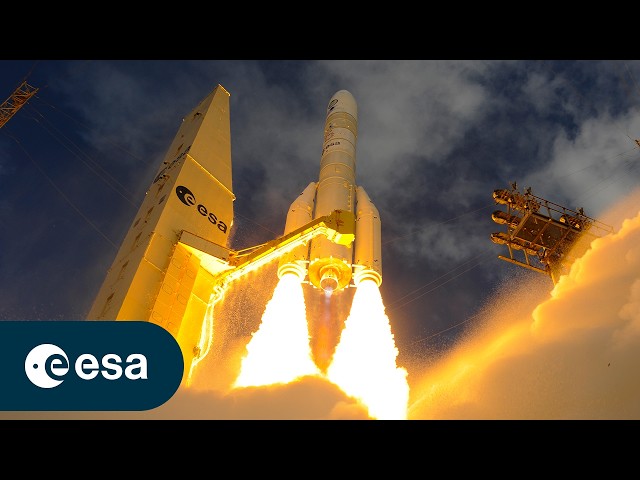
594, 168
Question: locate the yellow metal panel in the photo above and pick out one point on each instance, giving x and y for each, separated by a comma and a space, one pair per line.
189, 336
192, 326
206, 135
203, 286
213, 150
172, 298
178, 263
141, 294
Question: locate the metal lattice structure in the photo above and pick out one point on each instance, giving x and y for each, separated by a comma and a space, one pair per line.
546, 236
16, 101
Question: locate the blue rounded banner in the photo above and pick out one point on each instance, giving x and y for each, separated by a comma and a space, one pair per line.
87, 365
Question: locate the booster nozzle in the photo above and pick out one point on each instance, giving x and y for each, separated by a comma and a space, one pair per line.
362, 274
292, 268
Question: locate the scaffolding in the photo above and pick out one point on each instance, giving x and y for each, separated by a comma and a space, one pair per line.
541, 235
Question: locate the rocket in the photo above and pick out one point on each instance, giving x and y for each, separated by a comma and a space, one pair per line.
327, 265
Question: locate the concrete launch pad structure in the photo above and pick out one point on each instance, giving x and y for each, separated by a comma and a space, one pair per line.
175, 261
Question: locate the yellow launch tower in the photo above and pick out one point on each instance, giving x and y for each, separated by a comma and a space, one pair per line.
157, 274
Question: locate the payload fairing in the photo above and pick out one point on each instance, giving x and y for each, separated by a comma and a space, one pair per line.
174, 262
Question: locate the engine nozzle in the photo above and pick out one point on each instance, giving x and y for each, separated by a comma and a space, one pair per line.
329, 279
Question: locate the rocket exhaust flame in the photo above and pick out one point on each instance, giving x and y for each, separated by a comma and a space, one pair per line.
279, 350
364, 363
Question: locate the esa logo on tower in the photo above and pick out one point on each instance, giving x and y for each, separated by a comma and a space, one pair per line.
47, 365
187, 197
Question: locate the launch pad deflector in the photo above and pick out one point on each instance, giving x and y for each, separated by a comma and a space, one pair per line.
175, 261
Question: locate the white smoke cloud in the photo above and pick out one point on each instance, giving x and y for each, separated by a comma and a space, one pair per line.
309, 398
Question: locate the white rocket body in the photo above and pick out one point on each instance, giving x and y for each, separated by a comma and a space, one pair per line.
331, 266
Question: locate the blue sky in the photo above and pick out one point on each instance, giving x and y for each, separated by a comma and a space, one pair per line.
436, 137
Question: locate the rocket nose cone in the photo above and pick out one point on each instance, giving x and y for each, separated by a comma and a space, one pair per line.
343, 101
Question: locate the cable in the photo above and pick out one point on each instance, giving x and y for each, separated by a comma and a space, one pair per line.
256, 223
434, 280
61, 192
445, 330
630, 164
398, 307
102, 176
594, 165
431, 226
69, 73
631, 76
84, 125
31, 70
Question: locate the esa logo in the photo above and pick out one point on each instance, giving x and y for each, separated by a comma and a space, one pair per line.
46, 366
187, 197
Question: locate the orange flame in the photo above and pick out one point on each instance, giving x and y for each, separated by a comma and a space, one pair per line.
364, 363
279, 350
